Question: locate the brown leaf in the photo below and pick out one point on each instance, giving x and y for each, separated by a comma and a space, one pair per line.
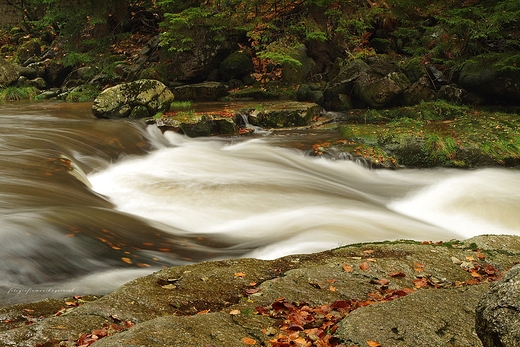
248, 341
240, 274
364, 266
373, 343
347, 267
397, 274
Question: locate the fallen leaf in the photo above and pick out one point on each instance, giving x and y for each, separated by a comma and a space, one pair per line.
240, 274
234, 312
364, 266
347, 267
332, 288
372, 343
126, 260
397, 274
248, 341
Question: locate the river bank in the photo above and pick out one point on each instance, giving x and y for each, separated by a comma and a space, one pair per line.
389, 294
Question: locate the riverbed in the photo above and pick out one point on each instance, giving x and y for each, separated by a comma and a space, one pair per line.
88, 204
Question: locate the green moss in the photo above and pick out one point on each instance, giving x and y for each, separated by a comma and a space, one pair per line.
440, 134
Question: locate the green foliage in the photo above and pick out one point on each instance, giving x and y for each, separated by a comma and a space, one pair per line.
18, 93
472, 138
74, 59
180, 105
83, 93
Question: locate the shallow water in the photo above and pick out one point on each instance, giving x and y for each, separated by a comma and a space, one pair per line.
88, 204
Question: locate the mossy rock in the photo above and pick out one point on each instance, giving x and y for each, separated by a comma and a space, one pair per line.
236, 66
494, 77
28, 49
289, 114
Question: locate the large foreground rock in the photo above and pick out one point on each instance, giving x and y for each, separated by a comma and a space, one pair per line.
8, 73
215, 303
498, 313
142, 98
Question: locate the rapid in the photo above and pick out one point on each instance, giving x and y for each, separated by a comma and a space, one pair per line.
89, 204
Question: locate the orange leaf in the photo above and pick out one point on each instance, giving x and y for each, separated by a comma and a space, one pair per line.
397, 274
372, 343
240, 274
364, 266
126, 260
248, 341
332, 288
347, 267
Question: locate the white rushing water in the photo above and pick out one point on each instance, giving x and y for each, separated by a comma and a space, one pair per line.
280, 202
89, 204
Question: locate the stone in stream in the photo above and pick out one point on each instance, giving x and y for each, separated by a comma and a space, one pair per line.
121, 100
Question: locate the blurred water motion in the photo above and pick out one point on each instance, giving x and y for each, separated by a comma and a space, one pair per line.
88, 204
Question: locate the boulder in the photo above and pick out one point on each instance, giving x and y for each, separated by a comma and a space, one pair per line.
498, 312
429, 299
119, 101
293, 74
194, 65
8, 73
27, 50
419, 91
287, 115
381, 85
235, 66
495, 77
206, 91
199, 124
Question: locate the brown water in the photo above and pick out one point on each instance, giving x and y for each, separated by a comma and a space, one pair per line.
88, 204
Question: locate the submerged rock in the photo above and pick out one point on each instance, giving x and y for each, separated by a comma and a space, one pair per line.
121, 100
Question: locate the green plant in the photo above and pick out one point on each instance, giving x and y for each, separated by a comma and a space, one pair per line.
83, 93
18, 93
180, 105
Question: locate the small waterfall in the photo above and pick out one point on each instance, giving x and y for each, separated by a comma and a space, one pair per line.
255, 129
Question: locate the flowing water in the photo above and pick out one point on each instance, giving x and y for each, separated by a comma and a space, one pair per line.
88, 204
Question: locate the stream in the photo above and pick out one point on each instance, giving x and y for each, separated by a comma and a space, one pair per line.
89, 204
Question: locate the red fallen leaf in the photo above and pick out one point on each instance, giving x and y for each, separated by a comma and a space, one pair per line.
248, 341
295, 327
397, 274
382, 281
364, 266
420, 282
347, 267
252, 291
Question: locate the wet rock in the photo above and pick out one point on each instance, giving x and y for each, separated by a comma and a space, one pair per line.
197, 125
8, 73
284, 115
120, 100
206, 91
498, 312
